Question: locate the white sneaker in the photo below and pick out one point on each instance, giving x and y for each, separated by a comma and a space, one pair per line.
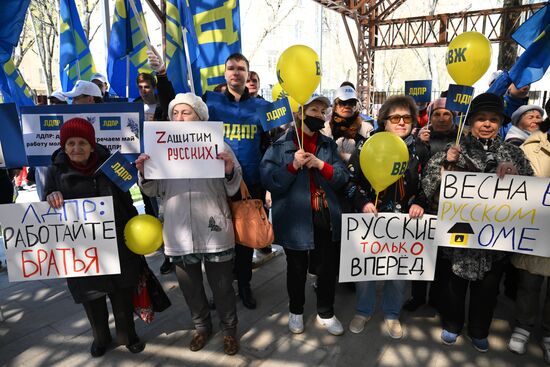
394, 328
333, 325
518, 341
295, 323
357, 324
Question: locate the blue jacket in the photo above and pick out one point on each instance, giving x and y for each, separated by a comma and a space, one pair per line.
290, 193
242, 129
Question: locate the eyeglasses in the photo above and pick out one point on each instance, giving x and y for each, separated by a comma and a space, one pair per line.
349, 103
395, 119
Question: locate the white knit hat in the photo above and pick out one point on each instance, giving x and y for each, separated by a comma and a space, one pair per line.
192, 100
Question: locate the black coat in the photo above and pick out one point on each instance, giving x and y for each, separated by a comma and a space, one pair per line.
73, 184
361, 192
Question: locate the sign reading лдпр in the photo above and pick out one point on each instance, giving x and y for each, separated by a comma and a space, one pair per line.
481, 211
183, 149
387, 246
118, 126
77, 240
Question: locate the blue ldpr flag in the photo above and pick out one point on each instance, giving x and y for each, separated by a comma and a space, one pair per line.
531, 29
459, 97
12, 86
177, 15
126, 41
218, 33
419, 90
501, 84
11, 139
75, 60
275, 114
533, 63
120, 171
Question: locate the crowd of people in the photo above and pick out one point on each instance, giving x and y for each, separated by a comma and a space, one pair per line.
307, 174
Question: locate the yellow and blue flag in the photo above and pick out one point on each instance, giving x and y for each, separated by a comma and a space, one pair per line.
75, 59
126, 41
532, 27
533, 63
178, 18
218, 31
12, 86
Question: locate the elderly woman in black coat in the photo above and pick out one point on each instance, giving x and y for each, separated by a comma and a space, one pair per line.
73, 175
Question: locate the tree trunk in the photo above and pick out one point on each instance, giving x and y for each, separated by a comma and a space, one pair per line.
508, 49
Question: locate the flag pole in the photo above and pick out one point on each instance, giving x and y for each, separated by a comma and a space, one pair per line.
128, 76
140, 24
188, 61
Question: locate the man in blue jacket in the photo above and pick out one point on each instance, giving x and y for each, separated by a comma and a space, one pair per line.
243, 132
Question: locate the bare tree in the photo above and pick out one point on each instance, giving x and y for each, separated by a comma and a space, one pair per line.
26, 42
44, 15
86, 8
508, 49
277, 16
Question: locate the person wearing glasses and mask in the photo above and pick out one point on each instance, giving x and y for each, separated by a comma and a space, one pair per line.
397, 116
345, 126
303, 172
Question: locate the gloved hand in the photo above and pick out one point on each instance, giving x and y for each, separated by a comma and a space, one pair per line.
155, 61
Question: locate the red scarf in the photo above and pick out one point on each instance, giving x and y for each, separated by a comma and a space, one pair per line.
89, 168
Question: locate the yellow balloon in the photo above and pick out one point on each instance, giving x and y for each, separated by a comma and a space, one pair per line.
468, 57
143, 234
278, 93
384, 158
299, 72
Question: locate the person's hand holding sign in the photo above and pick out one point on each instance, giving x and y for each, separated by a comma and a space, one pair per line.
140, 162
299, 159
312, 161
228, 162
506, 168
55, 199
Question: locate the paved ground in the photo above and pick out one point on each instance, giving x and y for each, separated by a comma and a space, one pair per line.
43, 327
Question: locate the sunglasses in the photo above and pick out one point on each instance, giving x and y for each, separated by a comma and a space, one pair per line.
395, 119
349, 103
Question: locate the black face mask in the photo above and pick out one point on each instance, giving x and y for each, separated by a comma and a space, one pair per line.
313, 123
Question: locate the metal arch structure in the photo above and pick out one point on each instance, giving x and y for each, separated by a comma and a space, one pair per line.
378, 31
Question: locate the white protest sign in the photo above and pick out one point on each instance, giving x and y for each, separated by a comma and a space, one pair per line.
387, 246
116, 125
76, 240
183, 149
481, 211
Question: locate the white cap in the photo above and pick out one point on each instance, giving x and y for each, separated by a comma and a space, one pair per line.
83, 87
494, 76
346, 92
102, 78
59, 95
516, 116
192, 100
317, 97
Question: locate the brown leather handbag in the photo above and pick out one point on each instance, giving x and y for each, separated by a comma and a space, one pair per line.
250, 221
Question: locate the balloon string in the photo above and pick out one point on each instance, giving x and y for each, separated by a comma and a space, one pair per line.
302, 140
459, 130
376, 200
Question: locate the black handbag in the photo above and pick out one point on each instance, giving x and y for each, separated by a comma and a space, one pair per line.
159, 299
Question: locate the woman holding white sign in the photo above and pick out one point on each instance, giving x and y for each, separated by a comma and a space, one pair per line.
397, 116
73, 175
480, 270
198, 229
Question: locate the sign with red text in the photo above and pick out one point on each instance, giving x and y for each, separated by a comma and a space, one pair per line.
481, 211
76, 240
387, 246
183, 149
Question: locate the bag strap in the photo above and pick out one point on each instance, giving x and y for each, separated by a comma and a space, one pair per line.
245, 194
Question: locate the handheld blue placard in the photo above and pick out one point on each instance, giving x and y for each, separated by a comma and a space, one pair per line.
275, 114
419, 90
119, 170
459, 97
11, 138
